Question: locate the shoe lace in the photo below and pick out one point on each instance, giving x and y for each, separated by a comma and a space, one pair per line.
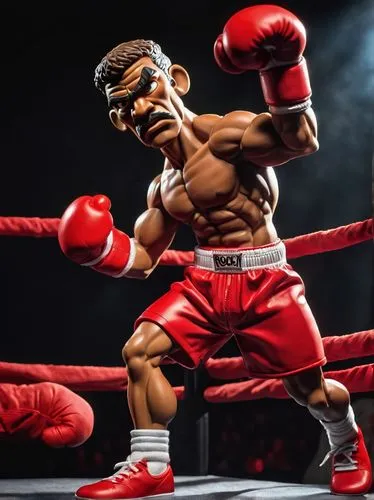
346, 451
126, 469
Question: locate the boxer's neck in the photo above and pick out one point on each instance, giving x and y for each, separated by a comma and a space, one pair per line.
183, 147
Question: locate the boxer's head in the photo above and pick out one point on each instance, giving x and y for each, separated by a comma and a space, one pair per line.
144, 91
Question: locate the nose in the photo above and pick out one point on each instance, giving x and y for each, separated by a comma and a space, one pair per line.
141, 107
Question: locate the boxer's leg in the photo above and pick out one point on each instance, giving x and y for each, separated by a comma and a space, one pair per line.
151, 399
152, 403
327, 400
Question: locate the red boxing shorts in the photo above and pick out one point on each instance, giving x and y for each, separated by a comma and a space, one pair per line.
249, 293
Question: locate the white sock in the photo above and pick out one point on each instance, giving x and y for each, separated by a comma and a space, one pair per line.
343, 431
153, 446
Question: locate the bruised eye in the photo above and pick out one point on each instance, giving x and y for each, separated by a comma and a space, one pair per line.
150, 87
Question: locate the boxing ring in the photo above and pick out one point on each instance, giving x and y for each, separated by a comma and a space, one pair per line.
235, 386
187, 487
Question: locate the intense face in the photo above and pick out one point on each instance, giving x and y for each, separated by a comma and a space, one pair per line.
145, 102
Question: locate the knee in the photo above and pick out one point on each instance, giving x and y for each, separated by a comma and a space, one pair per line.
333, 404
305, 397
337, 394
332, 395
328, 400
134, 353
308, 389
317, 400
134, 347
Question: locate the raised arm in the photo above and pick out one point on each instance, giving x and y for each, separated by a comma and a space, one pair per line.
88, 237
270, 39
264, 139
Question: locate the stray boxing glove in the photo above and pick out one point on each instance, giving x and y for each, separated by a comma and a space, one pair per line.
272, 40
47, 411
87, 236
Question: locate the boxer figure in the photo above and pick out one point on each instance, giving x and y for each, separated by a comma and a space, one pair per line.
217, 178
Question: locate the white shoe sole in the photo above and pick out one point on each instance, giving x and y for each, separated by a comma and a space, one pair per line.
360, 495
134, 498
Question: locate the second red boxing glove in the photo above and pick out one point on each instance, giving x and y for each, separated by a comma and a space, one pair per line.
85, 227
87, 236
272, 40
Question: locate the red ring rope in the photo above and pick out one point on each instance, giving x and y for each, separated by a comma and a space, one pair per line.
337, 348
299, 246
356, 379
29, 226
93, 378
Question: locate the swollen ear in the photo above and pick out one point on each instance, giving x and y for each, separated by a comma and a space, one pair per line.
115, 119
181, 78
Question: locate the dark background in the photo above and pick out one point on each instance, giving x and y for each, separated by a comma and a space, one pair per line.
57, 143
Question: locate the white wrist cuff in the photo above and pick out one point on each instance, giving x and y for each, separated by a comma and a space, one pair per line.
130, 262
295, 108
104, 253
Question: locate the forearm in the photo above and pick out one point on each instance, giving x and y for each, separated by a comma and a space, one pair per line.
154, 233
127, 257
147, 259
272, 140
145, 262
297, 131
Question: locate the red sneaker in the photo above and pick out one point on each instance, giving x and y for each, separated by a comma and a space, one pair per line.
351, 468
132, 481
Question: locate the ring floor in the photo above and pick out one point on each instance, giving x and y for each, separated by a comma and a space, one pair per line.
189, 487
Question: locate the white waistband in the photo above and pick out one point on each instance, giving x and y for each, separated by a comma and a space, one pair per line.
237, 261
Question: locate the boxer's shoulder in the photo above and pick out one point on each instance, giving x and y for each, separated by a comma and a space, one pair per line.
227, 133
203, 125
235, 120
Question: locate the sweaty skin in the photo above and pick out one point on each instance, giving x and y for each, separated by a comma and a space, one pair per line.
217, 178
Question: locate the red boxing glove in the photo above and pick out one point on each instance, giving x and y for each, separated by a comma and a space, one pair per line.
47, 411
272, 40
87, 236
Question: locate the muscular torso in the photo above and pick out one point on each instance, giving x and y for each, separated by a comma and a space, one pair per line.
226, 203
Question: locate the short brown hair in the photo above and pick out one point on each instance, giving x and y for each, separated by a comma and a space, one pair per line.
123, 56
